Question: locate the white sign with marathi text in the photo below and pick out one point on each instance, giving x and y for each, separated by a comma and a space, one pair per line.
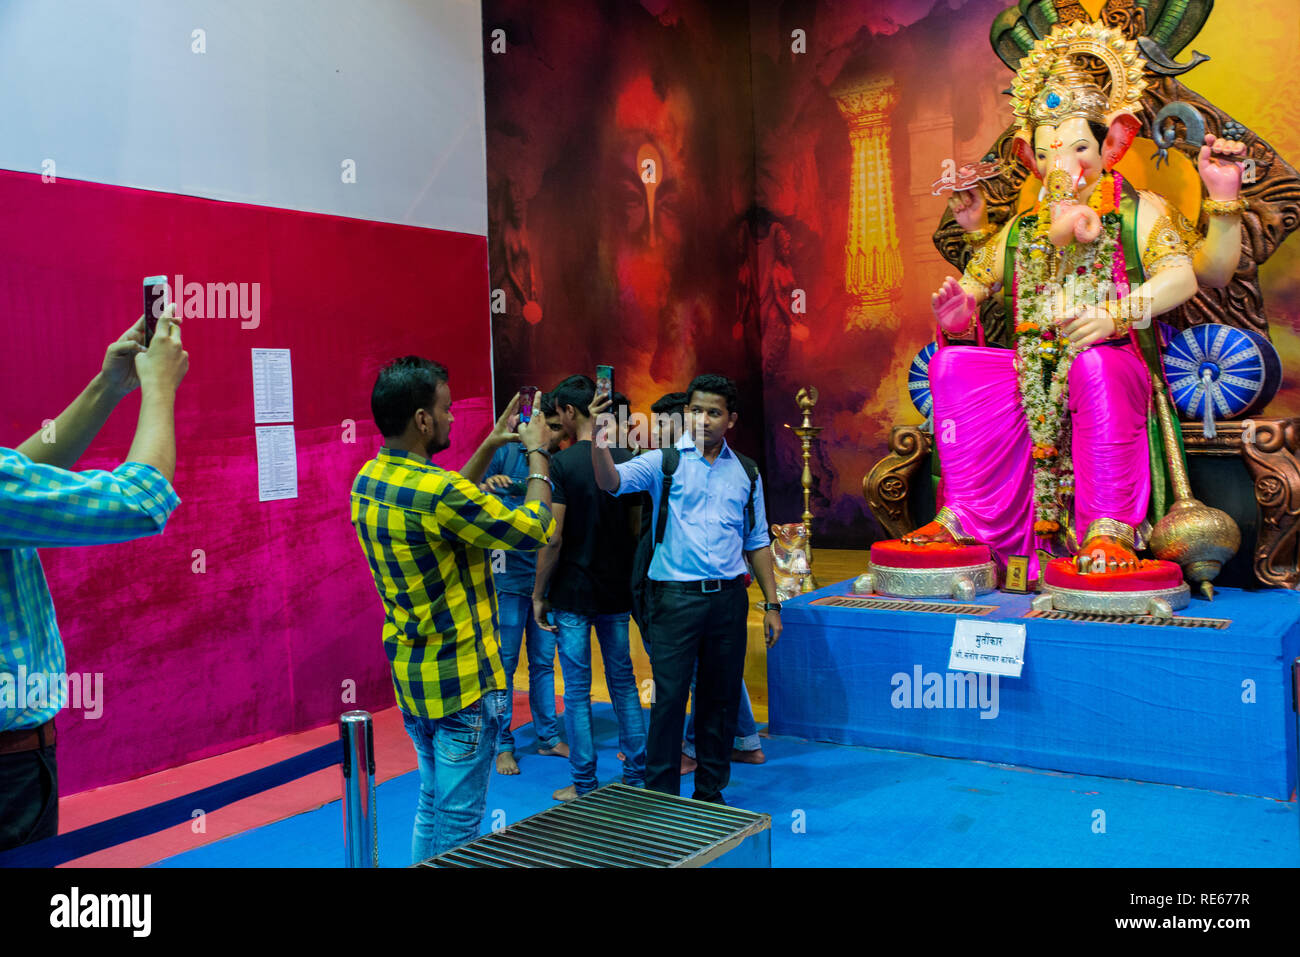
988, 647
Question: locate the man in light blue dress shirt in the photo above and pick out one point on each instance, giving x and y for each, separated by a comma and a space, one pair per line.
698, 608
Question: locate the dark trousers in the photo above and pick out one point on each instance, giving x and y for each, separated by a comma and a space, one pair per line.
686, 628
29, 797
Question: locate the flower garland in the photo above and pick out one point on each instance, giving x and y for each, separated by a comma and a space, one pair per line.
1043, 356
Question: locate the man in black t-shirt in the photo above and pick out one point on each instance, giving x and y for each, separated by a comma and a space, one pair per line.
583, 576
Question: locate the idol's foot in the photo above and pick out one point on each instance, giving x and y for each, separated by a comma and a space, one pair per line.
506, 763
931, 532
1106, 553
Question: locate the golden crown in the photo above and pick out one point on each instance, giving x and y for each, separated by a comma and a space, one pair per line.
1051, 86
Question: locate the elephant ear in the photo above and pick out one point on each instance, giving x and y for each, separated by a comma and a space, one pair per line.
1023, 150
1123, 129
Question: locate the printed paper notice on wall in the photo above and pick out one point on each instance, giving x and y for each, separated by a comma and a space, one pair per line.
272, 386
988, 647
277, 463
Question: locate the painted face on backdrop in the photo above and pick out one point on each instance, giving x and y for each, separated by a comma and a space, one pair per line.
647, 197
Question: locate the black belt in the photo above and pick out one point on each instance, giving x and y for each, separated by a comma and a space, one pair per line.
707, 586
27, 739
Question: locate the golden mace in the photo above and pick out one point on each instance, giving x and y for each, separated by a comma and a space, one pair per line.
1196, 536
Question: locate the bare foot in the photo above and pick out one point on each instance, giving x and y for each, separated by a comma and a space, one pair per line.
566, 794
930, 532
561, 750
689, 764
506, 763
748, 757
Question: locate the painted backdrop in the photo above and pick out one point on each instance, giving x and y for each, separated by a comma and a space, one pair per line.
771, 122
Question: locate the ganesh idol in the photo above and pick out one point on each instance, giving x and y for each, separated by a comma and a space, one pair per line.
1052, 445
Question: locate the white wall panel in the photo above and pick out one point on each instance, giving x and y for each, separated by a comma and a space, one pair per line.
285, 92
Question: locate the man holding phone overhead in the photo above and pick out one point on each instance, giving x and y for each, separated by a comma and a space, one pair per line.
708, 519
43, 505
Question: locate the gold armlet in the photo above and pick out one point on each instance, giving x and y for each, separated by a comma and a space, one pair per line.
980, 268
1164, 248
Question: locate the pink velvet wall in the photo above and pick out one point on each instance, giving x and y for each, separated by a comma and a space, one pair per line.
261, 643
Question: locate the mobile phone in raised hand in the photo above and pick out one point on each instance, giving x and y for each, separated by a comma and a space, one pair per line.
527, 396
605, 381
155, 304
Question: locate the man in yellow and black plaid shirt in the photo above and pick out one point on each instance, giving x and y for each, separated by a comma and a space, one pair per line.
427, 534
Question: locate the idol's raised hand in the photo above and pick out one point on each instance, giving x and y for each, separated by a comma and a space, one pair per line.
1219, 163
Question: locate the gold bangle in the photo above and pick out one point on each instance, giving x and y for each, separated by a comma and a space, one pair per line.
1121, 317
977, 237
1224, 207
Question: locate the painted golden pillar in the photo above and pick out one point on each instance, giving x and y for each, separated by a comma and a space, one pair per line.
873, 263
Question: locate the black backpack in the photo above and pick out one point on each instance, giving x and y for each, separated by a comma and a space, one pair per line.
650, 538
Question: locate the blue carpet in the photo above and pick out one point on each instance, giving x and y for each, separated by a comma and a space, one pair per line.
839, 806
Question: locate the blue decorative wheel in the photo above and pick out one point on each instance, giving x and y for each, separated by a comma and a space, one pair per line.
1235, 371
918, 380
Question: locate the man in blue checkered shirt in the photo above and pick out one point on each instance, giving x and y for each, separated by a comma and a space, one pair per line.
43, 504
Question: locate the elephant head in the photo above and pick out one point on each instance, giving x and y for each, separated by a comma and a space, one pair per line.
1070, 157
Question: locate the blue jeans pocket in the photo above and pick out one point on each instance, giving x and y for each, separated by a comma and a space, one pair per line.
460, 734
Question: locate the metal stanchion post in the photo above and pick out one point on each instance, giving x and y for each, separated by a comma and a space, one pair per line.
360, 823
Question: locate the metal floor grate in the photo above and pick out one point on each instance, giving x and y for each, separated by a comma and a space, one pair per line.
614, 826
905, 604
1216, 623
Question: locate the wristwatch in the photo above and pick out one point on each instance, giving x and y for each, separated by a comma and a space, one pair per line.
771, 606
540, 450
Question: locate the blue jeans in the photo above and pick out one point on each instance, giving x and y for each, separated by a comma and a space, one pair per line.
455, 755
746, 727
575, 660
516, 612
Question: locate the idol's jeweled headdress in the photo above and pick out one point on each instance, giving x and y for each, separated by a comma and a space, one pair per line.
1051, 86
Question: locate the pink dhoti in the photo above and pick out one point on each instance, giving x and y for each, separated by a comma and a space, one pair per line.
985, 459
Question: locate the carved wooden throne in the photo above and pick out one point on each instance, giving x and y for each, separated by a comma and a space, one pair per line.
1257, 481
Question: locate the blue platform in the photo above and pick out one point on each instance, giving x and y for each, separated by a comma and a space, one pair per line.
1197, 707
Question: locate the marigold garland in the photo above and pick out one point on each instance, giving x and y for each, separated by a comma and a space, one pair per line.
1043, 358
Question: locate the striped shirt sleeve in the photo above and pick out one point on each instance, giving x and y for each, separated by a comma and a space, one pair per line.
463, 513
43, 505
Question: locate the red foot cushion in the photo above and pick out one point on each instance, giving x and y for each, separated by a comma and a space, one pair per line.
896, 554
1150, 575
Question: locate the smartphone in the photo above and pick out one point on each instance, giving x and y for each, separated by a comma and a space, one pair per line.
605, 381
527, 395
155, 303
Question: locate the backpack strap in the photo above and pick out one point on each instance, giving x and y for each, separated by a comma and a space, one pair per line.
751, 469
672, 456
